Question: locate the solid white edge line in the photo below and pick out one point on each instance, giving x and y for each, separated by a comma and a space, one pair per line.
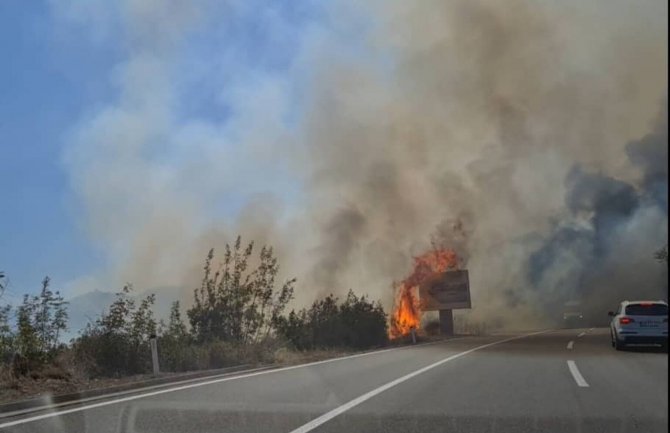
208, 382
316, 422
128, 391
577, 375
570, 344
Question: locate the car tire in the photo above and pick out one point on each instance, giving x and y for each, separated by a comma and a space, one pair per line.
618, 344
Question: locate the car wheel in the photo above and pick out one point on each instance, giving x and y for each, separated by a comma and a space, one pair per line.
618, 344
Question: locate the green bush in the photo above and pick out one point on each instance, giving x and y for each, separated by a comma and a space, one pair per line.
237, 304
118, 343
33, 341
110, 354
176, 350
355, 323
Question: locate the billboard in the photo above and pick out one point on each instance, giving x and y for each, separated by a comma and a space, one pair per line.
446, 291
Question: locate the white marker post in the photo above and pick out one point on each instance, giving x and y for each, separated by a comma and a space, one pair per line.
154, 354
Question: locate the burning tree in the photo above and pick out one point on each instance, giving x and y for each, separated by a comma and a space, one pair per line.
407, 307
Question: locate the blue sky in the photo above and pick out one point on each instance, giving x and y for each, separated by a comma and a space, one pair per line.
61, 69
43, 94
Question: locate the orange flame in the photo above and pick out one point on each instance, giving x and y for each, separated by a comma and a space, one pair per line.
407, 308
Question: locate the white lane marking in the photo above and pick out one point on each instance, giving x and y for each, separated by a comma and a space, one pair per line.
591, 329
581, 335
208, 382
316, 422
126, 392
577, 375
570, 344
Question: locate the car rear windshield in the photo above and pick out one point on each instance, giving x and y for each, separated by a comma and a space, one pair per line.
647, 310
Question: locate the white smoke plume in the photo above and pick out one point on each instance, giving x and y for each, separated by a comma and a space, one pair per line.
393, 123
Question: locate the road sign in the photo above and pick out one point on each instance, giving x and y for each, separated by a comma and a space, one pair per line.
446, 291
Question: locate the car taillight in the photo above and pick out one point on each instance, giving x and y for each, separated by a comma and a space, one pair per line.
625, 320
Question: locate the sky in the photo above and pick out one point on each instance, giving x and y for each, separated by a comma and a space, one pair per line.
61, 66
43, 94
351, 136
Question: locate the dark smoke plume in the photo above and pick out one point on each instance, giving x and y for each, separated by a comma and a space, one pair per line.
605, 254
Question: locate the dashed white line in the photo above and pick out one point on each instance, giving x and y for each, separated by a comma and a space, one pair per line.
581, 382
581, 335
570, 344
316, 422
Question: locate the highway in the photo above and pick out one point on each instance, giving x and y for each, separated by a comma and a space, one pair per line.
555, 381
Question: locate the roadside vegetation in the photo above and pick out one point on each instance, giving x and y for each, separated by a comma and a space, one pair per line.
238, 315
354, 323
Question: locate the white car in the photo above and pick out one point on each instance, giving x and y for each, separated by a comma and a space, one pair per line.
639, 322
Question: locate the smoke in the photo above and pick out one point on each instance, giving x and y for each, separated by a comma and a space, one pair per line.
607, 259
650, 154
521, 134
495, 130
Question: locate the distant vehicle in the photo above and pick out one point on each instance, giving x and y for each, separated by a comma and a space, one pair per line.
639, 322
572, 315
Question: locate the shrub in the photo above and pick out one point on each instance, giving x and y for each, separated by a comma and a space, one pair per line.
176, 350
234, 304
6, 336
33, 341
355, 323
118, 343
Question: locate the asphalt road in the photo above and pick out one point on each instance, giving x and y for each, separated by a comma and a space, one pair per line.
559, 381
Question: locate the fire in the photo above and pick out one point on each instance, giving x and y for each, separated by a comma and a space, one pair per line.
407, 309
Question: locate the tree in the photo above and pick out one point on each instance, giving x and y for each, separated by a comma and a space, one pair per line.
143, 323
40, 321
234, 304
6, 334
42, 315
27, 341
60, 317
174, 344
176, 326
49, 317
118, 342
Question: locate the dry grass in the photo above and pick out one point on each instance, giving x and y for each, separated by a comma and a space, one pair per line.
63, 376
467, 326
49, 380
285, 356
